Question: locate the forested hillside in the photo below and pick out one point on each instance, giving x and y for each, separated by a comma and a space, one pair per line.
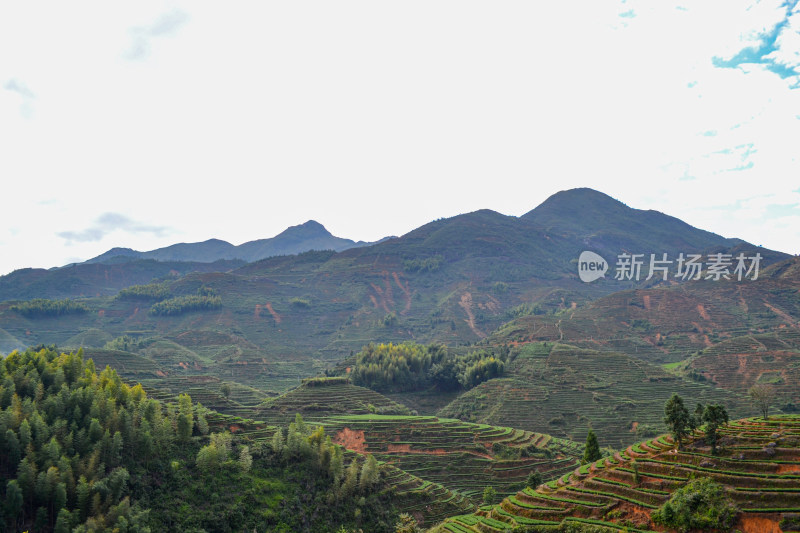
83, 451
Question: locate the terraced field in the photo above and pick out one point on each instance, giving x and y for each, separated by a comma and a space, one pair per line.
667, 323
319, 398
428, 501
461, 456
759, 465
561, 390
742, 362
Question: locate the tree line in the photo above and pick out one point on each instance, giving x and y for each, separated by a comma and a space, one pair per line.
42, 307
411, 366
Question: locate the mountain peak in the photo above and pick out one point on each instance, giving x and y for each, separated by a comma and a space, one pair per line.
583, 201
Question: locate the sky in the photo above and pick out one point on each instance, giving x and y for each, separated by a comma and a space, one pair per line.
143, 124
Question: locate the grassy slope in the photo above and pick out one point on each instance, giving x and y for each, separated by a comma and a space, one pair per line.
564, 390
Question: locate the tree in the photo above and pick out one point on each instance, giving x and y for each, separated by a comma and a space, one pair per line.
277, 441
13, 447
63, 522
223, 443
13, 500
369, 473
762, 396
185, 417
406, 524
202, 423
208, 458
350, 479
534, 479
592, 452
677, 418
337, 465
714, 416
489, 495
245, 459
225, 389
700, 504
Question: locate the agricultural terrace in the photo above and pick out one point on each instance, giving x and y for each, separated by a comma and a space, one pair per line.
317, 398
758, 465
460, 456
561, 390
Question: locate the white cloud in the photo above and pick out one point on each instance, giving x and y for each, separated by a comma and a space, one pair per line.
375, 118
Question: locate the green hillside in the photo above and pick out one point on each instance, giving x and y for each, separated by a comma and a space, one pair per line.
563, 390
83, 451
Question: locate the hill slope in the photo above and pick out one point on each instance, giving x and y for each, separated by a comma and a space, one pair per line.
564, 390
759, 469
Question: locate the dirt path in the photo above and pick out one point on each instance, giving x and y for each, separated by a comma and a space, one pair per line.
406, 292
786, 317
275, 315
466, 305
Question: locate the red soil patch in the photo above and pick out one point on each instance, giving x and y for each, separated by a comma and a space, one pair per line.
257, 312
275, 315
749, 523
102, 312
183, 365
374, 301
702, 311
161, 374
406, 292
638, 516
646, 299
788, 469
234, 428
466, 305
352, 440
788, 318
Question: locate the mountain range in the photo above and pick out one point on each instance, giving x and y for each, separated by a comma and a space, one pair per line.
249, 331
310, 235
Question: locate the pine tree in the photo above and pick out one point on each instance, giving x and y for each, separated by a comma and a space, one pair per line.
592, 451
350, 480
277, 441
185, 420
245, 459
369, 473
14, 499
63, 522
337, 464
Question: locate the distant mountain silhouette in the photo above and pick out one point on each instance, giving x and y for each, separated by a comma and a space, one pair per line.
294, 240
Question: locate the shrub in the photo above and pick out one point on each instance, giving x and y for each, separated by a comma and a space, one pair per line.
700, 504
